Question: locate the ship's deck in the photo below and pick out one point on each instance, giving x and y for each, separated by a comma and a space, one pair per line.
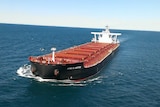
90, 54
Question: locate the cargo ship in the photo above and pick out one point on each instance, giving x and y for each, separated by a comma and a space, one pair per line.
79, 62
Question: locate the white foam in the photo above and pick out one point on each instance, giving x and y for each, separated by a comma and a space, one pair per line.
42, 49
25, 71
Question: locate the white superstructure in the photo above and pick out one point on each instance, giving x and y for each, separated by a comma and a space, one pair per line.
105, 36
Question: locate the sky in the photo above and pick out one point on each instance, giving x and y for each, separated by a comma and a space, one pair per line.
117, 14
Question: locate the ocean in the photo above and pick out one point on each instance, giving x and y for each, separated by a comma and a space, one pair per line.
130, 79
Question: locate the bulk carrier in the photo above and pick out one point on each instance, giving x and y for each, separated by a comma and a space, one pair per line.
78, 62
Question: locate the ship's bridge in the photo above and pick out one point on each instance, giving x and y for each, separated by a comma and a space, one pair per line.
105, 36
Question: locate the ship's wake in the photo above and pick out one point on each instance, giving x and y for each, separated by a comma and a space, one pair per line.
25, 71
122, 40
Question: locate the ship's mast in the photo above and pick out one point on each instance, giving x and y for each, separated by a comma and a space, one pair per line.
53, 54
107, 29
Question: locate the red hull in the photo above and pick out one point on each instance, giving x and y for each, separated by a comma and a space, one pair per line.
89, 54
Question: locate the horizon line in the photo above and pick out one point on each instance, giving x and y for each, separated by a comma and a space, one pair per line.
45, 25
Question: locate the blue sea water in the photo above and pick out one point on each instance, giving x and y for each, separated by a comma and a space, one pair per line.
130, 79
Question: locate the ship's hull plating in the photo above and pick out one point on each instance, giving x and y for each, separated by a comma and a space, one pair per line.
67, 71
